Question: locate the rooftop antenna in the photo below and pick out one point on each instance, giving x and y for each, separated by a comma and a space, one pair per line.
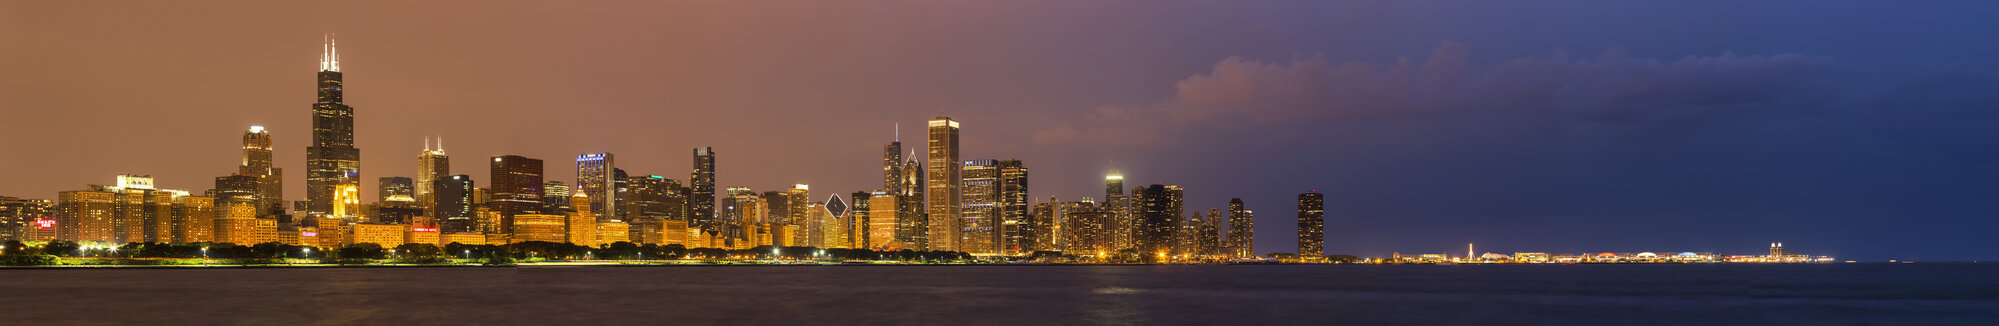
898, 132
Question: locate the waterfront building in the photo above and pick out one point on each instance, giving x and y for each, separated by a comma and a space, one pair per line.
1242, 231
515, 188
1085, 228
129, 211
614, 232
19, 218
463, 238
1157, 208
432, 165
332, 164
943, 186
384, 234
193, 219
701, 190
540, 227
327, 232
1311, 226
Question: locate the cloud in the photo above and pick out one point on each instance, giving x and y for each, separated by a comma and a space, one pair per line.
1612, 88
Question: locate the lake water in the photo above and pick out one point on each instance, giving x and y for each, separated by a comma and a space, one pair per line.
1829, 294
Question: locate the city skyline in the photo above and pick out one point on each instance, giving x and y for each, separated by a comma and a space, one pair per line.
404, 88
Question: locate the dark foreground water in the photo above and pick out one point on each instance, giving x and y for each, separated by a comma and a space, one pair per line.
1832, 294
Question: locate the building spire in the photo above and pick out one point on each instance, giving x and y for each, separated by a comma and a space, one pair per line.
898, 132
329, 55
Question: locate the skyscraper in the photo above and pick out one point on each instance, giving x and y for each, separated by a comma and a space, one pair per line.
881, 231
944, 185
979, 221
431, 165
516, 188
594, 178
555, 197
454, 203
398, 201
1311, 226
912, 223
270, 187
1016, 231
1159, 213
1118, 222
892, 167
1242, 230
332, 163
701, 190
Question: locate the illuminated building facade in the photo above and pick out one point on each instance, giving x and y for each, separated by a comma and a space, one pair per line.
18, 218
386, 235
1117, 214
912, 218
1041, 228
1242, 231
881, 231
943, 186
595, 178
1311, 225
332, 163
431, 165
979, 220
516, 188
193, 219
1085, 228
540, 227
555, 197
582, 226
268, 185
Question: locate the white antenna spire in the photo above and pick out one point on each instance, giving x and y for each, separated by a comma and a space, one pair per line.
329, 54
898, 132
426, 143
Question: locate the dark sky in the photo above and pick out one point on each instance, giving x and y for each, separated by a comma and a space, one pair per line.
1862, 130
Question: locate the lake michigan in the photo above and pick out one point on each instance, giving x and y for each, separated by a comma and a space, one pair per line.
1707, 294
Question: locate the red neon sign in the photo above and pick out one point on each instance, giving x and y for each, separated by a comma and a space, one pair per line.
45, 223
424, 229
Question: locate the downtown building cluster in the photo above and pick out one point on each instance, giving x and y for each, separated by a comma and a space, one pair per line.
938, 202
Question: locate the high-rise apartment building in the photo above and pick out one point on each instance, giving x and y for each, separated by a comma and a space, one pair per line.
1159, 212
1118, 218
892, 167
18, 218
332, 163
516, 188
944, 186
595, 177
1311, 226
1242, 230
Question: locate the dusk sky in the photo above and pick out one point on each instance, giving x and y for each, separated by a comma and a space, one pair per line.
1860, 130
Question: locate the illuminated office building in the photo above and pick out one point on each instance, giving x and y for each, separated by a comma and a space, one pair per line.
432, 165
979, 220
332, 163
1084, 230
385, 235
944, 186
582, 224
539, 227
269, 186
555, 197
1118, 218
912, 218
398, 203
595, 177
130, 211
516, 188
1039, 231
1311, 225
881, 231
193, 219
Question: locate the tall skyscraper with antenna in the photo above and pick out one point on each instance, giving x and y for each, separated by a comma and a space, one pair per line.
331, 163
257, 164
